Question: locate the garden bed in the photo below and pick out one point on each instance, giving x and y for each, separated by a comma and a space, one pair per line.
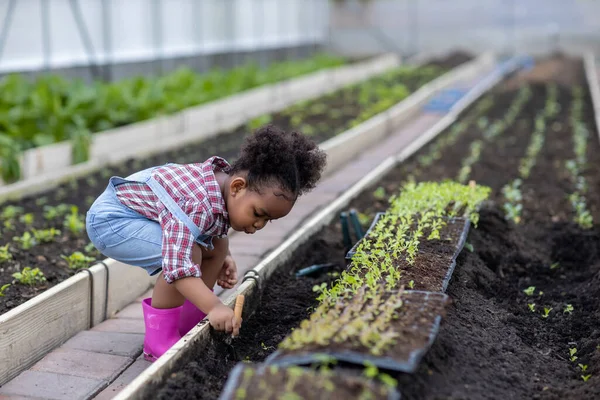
335, 113
525, 297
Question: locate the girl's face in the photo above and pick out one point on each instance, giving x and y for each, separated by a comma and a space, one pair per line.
249, 211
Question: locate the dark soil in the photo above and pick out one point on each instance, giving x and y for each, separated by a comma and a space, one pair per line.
271, 383
490, 345
327, 115
416, 324
285, 302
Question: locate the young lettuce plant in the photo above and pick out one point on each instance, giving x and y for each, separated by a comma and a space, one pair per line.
29, 276
5, 254
78, 260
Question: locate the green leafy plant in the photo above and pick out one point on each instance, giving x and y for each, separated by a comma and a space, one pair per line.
572, 352
583, 367
27, 219
531, 307
3, 289
29, 276
5, 254
10, 212
27, 240
568, 309
78, 260
372, 372
379, 193
529, 291
554, 265
546, 312
45, 235
586, 377
51, 213
74, 222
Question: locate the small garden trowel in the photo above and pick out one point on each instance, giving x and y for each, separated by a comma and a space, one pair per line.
237, 311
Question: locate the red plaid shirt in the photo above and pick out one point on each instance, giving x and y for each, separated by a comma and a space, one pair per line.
196, 190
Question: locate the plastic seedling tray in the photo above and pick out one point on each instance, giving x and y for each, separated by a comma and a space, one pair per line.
352, 251
407, 362
459, 246
344, 384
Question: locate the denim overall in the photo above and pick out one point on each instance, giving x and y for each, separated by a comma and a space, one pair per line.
129, 237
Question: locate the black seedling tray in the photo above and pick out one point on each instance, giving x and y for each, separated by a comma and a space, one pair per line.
408, 365
459, 247
235, 377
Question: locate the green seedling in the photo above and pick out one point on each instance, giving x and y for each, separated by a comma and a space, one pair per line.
52, 213
469, 247
45, 235
568, 309
379, 193
74, 223
3, 289
5, 254
372, 372
572, 352
411, 284
529, 291
8, 225
586, 377
265, 347
27, 241
27, 219
78, 260
554, 266
546, 312
320, 288
583, 367
10, 212
29, 276
531, 307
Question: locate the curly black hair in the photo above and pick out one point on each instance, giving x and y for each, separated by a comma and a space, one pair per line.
272, 155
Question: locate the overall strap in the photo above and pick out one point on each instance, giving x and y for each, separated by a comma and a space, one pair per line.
172, 206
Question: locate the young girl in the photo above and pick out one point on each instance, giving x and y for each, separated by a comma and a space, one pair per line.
172, 220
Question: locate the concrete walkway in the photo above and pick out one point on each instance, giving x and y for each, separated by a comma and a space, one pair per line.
102, 361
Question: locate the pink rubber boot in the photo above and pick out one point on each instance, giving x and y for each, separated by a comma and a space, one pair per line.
190, 316
161, 329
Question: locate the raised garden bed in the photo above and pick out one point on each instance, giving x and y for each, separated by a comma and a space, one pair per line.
525, 297
248, 382
48, 210
53, 109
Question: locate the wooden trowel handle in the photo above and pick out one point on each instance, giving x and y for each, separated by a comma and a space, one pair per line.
239, 306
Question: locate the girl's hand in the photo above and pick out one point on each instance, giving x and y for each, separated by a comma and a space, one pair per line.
222, 318
228, 275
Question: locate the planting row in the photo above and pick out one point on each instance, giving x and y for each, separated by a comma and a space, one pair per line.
525, 296
365, 317
46, 233
53, 109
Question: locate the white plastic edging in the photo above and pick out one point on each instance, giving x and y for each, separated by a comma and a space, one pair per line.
48, 165
340, 150
591, 73
144, 386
